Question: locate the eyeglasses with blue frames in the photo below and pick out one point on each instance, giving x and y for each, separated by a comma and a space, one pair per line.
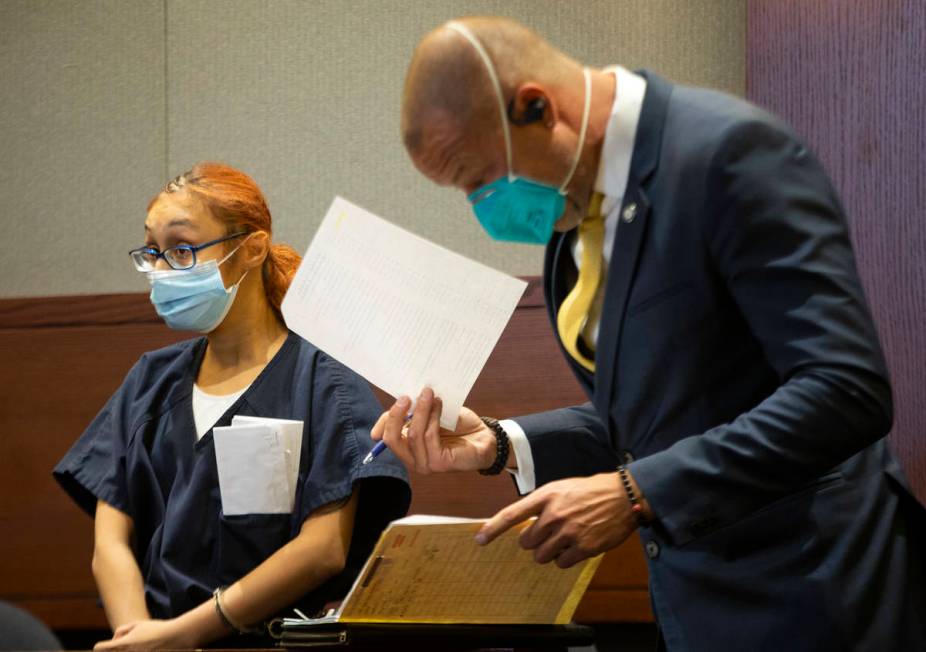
179, 257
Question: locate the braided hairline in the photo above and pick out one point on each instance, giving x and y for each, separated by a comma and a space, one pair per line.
182, 180
178, 182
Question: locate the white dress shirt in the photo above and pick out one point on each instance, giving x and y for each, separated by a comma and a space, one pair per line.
613, 171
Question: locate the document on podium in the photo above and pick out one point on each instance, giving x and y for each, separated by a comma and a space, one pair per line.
399, 310
429, 570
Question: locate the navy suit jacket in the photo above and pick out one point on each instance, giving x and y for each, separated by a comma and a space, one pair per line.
738, 371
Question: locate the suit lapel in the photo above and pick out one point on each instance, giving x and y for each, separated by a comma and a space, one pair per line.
634, 217
621, 274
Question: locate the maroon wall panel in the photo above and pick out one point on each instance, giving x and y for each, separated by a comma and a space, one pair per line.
850, 76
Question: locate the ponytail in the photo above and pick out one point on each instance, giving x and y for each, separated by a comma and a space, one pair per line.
278, 271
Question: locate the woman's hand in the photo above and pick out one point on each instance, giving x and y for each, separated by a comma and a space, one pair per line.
150, 635
115, 569
425, 447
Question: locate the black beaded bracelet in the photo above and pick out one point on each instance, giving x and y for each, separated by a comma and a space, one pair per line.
635, 505
502, 447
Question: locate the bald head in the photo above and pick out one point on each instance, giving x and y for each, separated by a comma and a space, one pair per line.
458, 134
447, 81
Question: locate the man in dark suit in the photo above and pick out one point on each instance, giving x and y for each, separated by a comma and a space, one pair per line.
702, 285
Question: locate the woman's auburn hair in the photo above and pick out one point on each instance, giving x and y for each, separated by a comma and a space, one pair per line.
235, 199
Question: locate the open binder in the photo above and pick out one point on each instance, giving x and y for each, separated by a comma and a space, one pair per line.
427, 579
423, 636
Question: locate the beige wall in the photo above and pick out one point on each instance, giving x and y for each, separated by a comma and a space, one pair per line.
104, 100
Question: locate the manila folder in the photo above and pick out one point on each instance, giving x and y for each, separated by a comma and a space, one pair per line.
430, 570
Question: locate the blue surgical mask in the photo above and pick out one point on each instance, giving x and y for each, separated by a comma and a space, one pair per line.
194, 299
514, 208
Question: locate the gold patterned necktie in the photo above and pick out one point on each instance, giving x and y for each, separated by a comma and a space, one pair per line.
573, 313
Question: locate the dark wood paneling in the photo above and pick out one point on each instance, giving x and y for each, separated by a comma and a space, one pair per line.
72, 311
62, 376
850, 76
66, 355
128, 308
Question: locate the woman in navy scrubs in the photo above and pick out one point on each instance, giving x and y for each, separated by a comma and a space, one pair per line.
146, 468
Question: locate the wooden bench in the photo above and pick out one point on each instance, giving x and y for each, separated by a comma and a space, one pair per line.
64, 356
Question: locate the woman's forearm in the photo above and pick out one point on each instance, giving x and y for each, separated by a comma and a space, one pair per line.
120, 584
318, 553
296, 569
278, 582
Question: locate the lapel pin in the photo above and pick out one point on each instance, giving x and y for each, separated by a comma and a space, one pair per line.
630, 212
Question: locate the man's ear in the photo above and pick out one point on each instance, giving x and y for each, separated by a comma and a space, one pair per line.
255, 250
532, 104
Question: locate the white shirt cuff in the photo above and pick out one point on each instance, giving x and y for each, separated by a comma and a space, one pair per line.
521, 447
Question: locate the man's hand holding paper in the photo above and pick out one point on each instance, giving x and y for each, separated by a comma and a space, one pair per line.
423, 445
387, 303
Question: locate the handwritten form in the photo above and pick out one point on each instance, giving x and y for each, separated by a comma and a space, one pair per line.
431, 571
402, 312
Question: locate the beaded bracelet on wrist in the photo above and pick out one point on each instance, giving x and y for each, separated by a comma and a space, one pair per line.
635, 506
502, 447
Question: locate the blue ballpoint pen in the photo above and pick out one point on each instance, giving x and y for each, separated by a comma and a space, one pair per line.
380, 447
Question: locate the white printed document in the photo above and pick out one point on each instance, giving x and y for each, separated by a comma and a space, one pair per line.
258, 465
399, 310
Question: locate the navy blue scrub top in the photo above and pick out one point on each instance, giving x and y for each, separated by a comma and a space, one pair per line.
140, 455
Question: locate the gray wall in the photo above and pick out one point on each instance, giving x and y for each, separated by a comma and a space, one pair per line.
104, 100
